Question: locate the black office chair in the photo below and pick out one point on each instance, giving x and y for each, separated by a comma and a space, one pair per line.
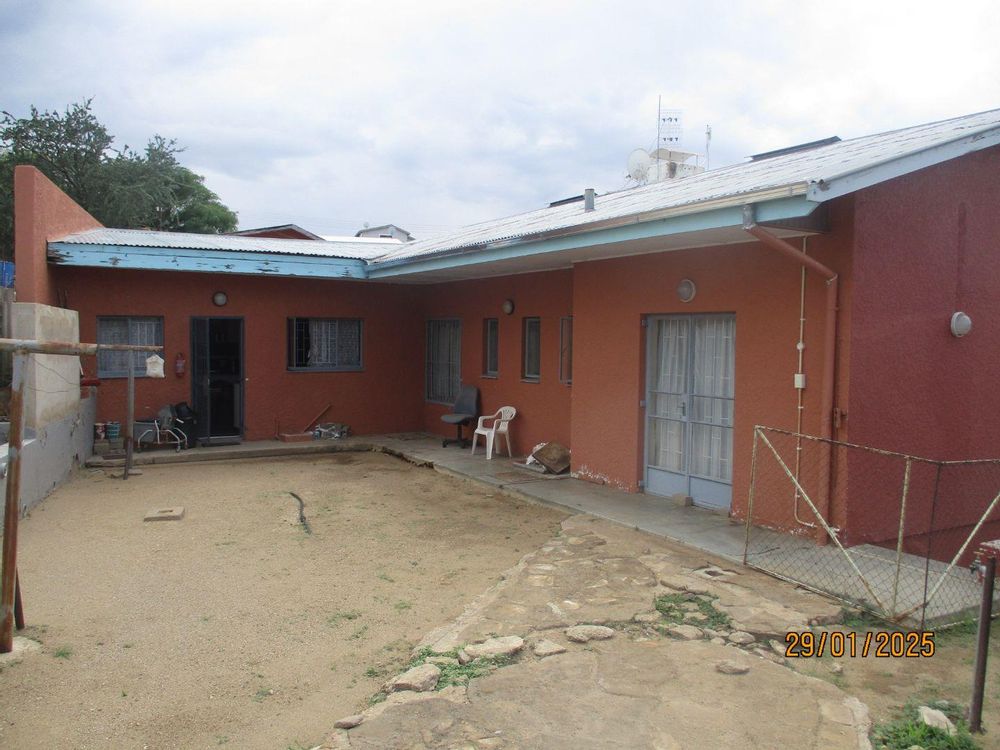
464, 412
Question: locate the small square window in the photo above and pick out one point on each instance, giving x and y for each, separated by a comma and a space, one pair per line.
491, 346
328, 344
531, 359
144, 331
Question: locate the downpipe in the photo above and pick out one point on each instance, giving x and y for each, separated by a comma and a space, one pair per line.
829, 344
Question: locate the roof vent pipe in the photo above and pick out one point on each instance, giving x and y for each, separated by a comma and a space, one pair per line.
588, 199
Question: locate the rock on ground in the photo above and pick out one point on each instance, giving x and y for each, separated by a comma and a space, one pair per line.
505, 646
731, 667
685, 632
349, 722
741, 638
932, 717
419, 679
548, 648
584, 633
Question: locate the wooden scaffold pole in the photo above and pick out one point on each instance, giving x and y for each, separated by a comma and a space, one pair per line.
11, 611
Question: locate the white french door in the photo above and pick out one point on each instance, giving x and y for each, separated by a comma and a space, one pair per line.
689, 407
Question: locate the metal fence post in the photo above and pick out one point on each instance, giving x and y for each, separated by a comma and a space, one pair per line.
982, 646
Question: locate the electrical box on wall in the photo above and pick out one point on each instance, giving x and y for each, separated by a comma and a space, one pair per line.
800, 380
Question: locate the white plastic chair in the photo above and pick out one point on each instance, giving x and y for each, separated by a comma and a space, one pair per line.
501, 426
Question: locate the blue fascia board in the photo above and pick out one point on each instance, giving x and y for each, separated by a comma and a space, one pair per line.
721, 218
834, 187
203, 261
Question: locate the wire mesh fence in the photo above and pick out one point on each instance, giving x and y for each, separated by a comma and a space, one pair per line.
889, 533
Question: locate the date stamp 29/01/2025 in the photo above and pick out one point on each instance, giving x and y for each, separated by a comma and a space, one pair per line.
883, 644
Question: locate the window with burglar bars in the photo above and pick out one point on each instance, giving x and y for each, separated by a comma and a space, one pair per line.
122, 330
531, 361
491, 345
330, 344
444, 357
566, 350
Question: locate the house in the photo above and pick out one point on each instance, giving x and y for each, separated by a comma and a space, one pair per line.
281, 232
386, 231
648, 329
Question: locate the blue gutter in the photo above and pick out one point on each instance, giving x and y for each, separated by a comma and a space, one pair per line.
204, 261
721, 218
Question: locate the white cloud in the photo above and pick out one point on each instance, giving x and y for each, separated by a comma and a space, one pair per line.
436, 114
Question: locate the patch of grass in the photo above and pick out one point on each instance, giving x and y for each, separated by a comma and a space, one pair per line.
359, 633
261, 694
385, 577
63, 652
374, 672
403, 605
669, 605
909, 730
338, 617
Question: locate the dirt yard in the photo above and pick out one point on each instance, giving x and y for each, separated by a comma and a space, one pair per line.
234, 626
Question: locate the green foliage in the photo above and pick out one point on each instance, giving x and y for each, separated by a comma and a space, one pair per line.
908, 730
669, 605
121, 188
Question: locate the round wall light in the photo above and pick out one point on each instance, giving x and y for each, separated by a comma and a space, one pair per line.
507, 306
686, 290
961, 324
219, 299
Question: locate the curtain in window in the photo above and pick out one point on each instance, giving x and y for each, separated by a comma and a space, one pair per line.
139, 331
443, 360
712, 397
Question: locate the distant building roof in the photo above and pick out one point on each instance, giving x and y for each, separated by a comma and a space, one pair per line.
281, 231
382, 229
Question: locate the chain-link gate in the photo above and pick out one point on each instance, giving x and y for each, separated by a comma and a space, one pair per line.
890, 533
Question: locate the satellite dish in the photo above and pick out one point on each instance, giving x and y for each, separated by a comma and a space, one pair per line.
638, 164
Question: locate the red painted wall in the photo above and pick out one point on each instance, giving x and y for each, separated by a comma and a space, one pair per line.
543, 408
926, 248
761, 287
42, 212
384, 397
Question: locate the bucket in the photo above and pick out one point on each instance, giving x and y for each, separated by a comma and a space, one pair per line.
113, 430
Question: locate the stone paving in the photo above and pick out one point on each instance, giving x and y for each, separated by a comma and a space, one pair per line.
687, 653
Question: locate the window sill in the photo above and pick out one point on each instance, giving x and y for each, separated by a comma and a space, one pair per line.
325, 369
531, 380
488, 376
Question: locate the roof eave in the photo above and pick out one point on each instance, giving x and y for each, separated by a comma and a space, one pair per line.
703, 207
723, 214
851, 182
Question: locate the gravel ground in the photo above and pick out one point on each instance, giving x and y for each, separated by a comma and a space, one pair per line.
234, 626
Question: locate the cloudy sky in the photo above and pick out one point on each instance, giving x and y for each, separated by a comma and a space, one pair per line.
435, 114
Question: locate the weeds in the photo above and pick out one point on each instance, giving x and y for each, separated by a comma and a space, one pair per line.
671, 607
337, 617
908, 730
63, 652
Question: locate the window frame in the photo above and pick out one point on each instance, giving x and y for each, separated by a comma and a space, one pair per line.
487, 324
138, 358
525, 375
292, 331
428, 397
566, 350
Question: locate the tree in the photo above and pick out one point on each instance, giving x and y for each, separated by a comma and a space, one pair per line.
120, 188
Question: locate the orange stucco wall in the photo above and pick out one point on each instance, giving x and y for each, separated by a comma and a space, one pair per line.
383, 397
543, 407
42, 212
610, 299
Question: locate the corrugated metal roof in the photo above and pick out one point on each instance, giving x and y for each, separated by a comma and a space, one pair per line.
788, 174
351, 248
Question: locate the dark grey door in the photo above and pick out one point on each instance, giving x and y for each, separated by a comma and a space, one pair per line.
217, 379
